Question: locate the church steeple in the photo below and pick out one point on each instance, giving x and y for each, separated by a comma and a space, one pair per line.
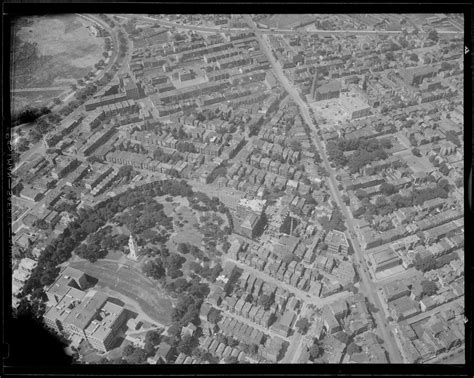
132, 245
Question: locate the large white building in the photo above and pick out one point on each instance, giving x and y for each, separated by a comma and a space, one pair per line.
354, 106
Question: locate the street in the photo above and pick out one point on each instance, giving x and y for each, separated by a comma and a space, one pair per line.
280, 31
367, 285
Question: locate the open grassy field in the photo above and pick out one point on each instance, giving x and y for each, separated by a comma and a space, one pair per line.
127, 280
51, 51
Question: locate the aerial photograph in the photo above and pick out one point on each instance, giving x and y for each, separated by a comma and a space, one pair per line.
240, 188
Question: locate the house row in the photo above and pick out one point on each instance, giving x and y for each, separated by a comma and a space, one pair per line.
141, 161
241, 331
96, 140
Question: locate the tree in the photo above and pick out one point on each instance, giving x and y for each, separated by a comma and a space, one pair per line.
459, 182
128, 350
302, 324
387, 189
433, 35
414, 57
186, 345
41, 224
154, 269
443, 168
231, 360
415, 151
296, 145
253, 349
265, 301
429, 287
137, 357
183, 248
174, 261
153, 337
315, 351
214, 316
174, 272
381, 201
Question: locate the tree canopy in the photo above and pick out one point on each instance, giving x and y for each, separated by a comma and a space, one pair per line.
429, 287
302, 324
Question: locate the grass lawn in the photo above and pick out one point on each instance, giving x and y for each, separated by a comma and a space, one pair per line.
417, 164
187, 232
114, 255
131, 283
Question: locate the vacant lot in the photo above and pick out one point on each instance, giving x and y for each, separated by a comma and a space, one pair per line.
128, 280
283, 21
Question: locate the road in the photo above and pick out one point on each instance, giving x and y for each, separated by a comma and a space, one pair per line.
113, 34
44, 89
279, 31
367, 285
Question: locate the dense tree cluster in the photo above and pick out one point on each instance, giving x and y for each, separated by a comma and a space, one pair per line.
316, 350
365, 151
429, 288
91, 220
205, 271
86, 92
430, 262
218, 172
302, 324
173, 264
187, 310
160, 155
265, 301
187, 344
183, 146
133, 355
154, 269
387, 204
335, 223
143, 216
